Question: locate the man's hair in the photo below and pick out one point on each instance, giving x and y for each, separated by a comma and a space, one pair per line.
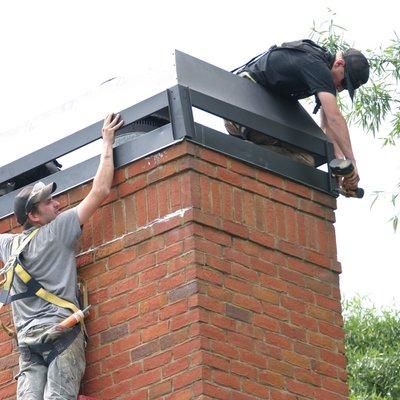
28, 223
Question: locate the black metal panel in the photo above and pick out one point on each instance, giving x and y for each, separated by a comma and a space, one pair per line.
261, 157
180, 108
215, 82
144, 145
124, 154
79, 139
213, 90
311, 144
156, 104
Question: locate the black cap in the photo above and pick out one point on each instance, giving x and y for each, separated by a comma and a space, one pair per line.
356, 70
29, 196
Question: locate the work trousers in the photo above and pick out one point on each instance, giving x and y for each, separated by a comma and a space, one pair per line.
271, 144
61, 379
268, 142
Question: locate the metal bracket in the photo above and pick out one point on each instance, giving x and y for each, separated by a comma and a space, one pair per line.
180, 108
332, 181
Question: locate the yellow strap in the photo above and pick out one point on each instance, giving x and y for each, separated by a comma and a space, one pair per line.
43, 293
6, 286
21, 272
15, 251
24, 242
58, 301
9, 279
26, 277
10, 273
14, 246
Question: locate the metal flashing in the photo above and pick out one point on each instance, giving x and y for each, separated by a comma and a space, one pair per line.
215, 91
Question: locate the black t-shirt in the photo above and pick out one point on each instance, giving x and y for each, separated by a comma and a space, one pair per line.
293, 73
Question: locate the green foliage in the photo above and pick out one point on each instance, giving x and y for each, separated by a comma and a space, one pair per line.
376, 107
373, 351
371, 107
329, 35
380, 97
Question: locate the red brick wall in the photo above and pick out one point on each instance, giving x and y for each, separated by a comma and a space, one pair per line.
208, 279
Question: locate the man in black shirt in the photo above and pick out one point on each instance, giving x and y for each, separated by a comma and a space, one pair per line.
301, 69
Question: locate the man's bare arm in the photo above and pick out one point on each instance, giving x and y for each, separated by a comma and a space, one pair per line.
336, 124
328, 132
337, 131
105, 172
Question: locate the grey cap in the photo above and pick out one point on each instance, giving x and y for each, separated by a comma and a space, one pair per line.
29, 196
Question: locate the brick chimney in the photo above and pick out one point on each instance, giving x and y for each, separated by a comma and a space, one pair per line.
208, 279
212, 267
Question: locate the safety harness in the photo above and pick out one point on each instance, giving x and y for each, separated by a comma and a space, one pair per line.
45, 353
14, 267
304, 46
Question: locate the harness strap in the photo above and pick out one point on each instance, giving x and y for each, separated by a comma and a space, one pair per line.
35, 352
16, 249
15, 252
303, 45
238, 70
33, 286
41, 292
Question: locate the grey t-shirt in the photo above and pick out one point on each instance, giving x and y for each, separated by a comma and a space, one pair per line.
50, 259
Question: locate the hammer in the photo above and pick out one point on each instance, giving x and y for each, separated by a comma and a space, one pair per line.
344, 168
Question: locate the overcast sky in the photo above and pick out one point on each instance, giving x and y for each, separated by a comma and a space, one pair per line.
55, 51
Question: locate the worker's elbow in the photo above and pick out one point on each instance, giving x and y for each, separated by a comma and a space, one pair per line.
101, 193
105, 192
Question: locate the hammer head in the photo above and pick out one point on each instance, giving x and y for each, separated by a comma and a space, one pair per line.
341, 167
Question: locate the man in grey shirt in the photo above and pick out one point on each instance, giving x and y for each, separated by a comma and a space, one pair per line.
49, 258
